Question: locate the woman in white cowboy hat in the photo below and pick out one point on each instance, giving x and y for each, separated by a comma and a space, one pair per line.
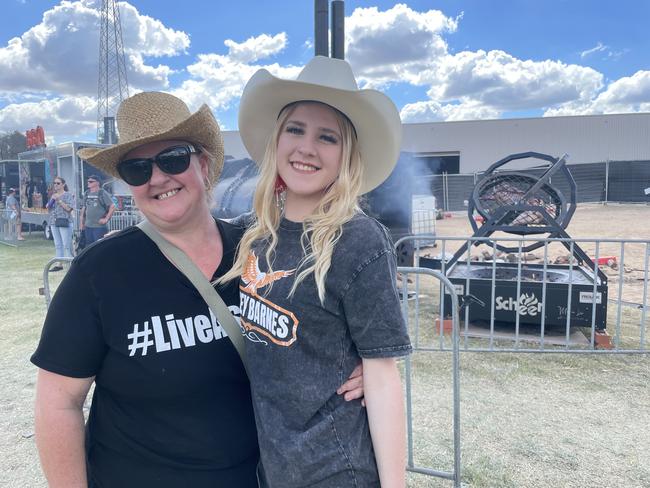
171, 405
318, 280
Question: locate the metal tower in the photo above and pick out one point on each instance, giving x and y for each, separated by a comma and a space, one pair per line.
113, 86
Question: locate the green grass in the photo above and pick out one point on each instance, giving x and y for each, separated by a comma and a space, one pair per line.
22, 310
528, 420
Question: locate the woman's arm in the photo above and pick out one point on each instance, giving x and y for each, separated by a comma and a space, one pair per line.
60, 428
385, 405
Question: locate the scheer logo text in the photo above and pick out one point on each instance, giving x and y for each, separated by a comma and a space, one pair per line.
526, 305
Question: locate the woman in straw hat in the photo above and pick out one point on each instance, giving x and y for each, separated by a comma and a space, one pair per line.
171, 405
318, 280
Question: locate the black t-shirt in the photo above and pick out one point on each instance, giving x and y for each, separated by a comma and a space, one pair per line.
172, 404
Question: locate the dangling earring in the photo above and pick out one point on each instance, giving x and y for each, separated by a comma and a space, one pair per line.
280, 191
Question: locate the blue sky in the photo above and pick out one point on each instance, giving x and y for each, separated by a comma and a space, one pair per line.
438, 60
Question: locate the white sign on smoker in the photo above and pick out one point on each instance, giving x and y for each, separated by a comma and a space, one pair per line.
588, 297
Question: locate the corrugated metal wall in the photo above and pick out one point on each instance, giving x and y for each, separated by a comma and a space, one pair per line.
587, 139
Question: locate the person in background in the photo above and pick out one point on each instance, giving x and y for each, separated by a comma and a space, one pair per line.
37, 192
12, 209
60, 207
11, 213
97, 210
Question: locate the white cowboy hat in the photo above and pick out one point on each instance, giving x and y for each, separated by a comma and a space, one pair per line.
330, 81
156, 116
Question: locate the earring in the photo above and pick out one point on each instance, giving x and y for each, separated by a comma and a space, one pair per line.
280, 190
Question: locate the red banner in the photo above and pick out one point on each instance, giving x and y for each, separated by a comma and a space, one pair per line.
35, 137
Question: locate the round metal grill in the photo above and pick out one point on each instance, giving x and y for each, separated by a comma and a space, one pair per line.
509, 189
523, 202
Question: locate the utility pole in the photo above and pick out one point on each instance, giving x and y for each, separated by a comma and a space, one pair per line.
113, 86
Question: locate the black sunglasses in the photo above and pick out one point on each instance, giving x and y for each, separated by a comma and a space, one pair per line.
173, 161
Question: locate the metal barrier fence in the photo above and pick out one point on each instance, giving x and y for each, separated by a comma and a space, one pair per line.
608, 181
46, 277
454, 475
122, 219
429, 329
8, 227
602, 308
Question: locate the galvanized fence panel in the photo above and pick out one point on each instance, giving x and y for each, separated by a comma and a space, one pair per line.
626, 307
122, 219
544, 301
412, 466
47, 288
8, 227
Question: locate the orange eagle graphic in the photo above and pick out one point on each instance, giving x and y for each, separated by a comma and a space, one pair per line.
254, 278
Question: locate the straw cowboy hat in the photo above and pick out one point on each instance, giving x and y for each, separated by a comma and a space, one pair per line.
330, 81
156, 116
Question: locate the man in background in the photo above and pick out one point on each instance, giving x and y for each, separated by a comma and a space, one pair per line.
12, 209
97, 210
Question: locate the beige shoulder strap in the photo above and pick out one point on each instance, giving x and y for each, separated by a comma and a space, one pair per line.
201, 283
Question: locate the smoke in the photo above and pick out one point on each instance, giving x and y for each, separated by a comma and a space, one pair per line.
392, 202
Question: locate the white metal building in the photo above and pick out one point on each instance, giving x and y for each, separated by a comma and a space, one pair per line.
587, 139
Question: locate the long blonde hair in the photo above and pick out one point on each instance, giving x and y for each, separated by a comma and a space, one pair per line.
322, 229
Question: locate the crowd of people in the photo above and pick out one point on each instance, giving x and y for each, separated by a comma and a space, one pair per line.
97, 207
314, 398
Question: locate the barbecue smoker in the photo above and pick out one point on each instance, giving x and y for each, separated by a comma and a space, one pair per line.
518, 202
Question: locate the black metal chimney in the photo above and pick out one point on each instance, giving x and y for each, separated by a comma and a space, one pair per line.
321, 11
110, 134
338, 29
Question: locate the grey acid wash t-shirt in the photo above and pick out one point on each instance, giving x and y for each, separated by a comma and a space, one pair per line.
299, 352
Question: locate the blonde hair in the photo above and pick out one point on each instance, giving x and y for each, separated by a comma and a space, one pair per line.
322, 229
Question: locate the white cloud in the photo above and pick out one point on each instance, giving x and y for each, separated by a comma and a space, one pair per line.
147, 77
150, 37
503, 82
599, 47
256, 48
627, 94
394, 45
52, 67
39, 60
219, 80
432, 111
58, 116
400, 44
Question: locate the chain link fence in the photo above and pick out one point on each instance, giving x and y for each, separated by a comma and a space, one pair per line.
604, 182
